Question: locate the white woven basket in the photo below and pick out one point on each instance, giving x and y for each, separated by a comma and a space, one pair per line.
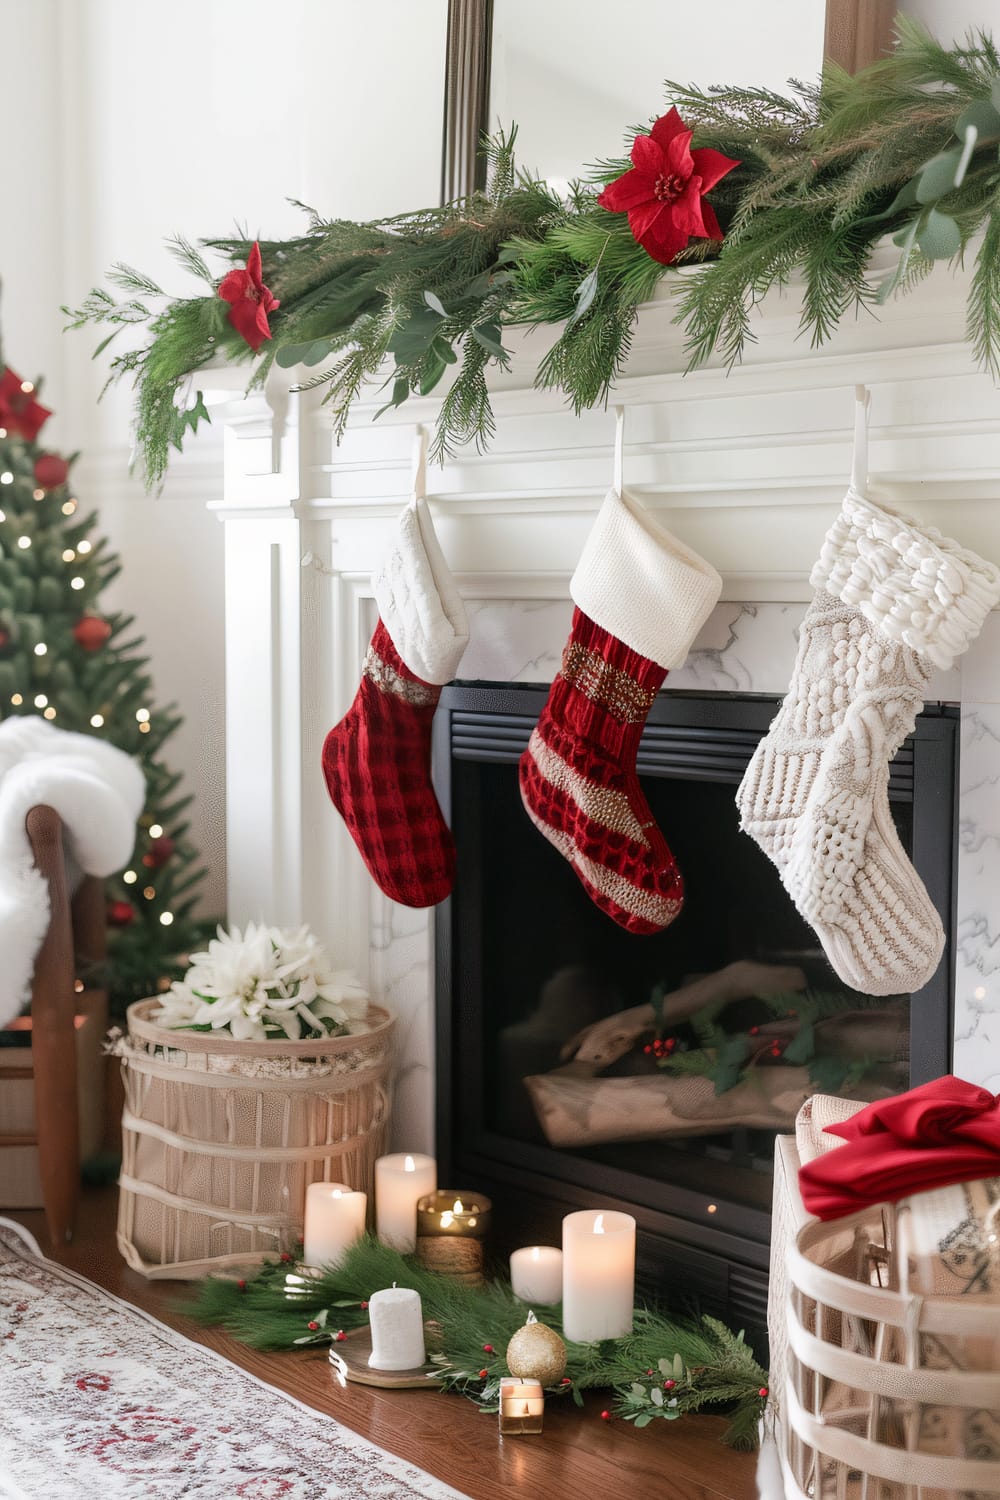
888, 1394
220, 1138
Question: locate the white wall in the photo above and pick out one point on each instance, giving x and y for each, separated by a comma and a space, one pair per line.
139, 120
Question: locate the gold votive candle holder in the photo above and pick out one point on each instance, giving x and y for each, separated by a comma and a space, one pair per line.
522, 1407
451, 1226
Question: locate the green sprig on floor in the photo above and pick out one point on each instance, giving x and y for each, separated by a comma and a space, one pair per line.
279, 1308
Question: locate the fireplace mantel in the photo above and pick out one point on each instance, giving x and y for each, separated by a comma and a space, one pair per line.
747, 466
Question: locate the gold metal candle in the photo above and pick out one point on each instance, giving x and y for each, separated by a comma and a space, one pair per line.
451, 1226
522, 1407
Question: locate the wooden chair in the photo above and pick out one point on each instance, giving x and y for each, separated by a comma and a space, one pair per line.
77, 928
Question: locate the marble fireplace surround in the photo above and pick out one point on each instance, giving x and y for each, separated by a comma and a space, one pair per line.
749, 467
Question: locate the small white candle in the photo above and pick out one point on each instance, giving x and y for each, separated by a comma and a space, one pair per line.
536, 1274
598, 1275
399, 1181
335, 1218
522, 1406
397, 1323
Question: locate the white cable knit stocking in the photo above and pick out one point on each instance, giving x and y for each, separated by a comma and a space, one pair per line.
893, 599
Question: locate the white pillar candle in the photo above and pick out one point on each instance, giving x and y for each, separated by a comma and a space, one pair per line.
399, 1181
334, 1219
598, 1275
536, 1274
397, 1324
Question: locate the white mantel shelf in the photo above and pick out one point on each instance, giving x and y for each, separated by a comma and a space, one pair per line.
747, 466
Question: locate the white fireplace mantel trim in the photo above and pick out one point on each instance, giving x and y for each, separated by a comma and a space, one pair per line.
747, 467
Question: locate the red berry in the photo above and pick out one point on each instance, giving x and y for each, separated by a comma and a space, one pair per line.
755, 1031
762, 1392
668, 1385
483, 1374
363, 1306
605, 1416
312, 1325
648, 1048
285, 1257
566, 1380
341, 1335
487, 1348
649, 1372
242, 1285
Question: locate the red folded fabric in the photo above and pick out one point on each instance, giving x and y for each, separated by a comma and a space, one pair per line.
942, 1132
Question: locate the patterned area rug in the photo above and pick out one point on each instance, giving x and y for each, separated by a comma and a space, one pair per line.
101, 1402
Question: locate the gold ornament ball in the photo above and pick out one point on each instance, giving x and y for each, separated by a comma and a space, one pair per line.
537, 1353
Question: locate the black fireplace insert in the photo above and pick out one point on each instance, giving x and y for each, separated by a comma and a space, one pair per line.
524, 962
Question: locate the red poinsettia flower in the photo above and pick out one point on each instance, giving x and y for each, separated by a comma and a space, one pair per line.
251, 300
664, 192
19, 411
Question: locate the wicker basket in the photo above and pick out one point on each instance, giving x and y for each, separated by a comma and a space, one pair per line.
220, 1138
888, 1394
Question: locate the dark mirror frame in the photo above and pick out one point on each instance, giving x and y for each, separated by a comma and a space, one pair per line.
857, 33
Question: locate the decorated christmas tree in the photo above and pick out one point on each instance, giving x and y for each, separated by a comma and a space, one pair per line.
82, 668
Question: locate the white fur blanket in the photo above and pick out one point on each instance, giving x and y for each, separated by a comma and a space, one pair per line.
97, 791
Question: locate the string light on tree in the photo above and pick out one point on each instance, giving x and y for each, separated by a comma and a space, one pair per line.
97, 721
49, 713
41, 649
68, 507
130, 877
40, 700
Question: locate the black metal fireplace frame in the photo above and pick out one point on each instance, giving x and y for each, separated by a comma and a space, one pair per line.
716, 1250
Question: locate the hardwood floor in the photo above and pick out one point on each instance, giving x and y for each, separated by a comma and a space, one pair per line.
578, 1454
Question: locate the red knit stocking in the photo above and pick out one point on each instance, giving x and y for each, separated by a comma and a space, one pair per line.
377, 767
579, 782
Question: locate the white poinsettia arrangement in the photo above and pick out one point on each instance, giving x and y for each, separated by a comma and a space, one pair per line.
264, 983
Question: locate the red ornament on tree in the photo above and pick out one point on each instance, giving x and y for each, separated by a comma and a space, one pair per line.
121, 913
159, 852
19, 411
50, 471
91, 632
664, 192
250, 300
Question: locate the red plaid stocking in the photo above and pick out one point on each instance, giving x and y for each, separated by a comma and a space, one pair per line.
377, 759
641, 598
377, 768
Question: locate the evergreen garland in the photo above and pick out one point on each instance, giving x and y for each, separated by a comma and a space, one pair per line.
786, 1029
906, 148
704, 1363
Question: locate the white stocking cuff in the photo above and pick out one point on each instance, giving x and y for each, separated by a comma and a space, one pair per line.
639, 583
914, 585
417, 600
